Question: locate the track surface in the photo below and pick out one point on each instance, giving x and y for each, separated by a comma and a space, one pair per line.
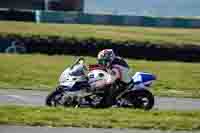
37, 98
15, 129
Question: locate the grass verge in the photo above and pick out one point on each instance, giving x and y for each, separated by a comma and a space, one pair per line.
107, 118
123, 33
41, 72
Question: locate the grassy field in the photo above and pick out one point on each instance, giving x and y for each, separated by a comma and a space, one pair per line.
140, 34
42, 72
109, 118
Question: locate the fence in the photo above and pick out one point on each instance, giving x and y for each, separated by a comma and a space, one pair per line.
83, 18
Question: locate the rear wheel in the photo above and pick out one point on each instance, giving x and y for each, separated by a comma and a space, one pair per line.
141, 99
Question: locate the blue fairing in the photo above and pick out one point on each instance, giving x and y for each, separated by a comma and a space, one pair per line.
147, 77
72, 89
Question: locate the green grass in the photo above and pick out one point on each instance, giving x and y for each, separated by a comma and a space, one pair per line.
107, 118
139, 34
41, 72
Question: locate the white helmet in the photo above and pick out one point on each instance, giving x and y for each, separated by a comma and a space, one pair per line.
105, 57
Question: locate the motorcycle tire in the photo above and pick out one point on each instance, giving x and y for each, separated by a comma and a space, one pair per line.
138, 97
51, 98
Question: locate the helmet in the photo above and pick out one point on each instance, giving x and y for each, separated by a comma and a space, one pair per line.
105, 57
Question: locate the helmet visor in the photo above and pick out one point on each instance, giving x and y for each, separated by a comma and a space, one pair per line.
102, 62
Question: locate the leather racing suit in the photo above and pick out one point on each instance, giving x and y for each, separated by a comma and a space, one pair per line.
119, 71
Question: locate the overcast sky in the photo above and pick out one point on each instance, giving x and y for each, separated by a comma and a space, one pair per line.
145, 7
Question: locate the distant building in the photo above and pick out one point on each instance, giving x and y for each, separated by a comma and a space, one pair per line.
59, 5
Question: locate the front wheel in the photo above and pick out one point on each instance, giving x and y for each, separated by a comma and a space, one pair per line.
54, 98
141, 99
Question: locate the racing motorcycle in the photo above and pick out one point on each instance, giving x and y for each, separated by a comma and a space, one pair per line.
77, 90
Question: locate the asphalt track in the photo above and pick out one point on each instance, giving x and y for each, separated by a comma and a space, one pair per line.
20, 129
37, 98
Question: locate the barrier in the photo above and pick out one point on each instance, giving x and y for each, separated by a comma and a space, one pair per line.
83, 18
17, 15
9, 45
73, 46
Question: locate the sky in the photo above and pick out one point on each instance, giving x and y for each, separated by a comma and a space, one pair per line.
144, 7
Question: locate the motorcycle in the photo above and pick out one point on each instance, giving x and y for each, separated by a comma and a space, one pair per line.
78, 90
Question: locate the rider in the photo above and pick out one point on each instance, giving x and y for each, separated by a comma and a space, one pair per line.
117, 67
